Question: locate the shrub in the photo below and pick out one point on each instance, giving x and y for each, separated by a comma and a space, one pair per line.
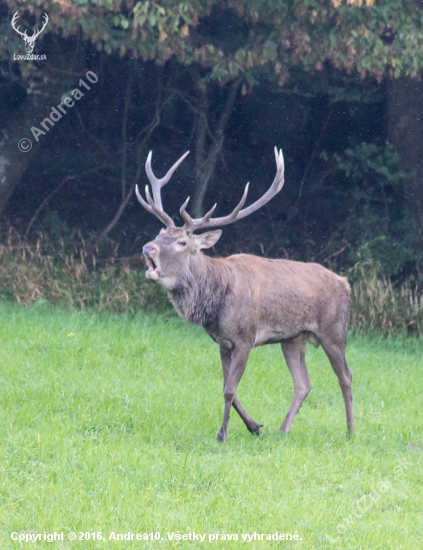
71, 274
378, 306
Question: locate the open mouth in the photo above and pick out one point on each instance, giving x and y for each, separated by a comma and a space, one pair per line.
153, 269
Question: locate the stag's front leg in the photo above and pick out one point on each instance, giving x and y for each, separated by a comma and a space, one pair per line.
238, 362
252, 426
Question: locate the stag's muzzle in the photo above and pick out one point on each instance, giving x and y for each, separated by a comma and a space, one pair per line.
150, 254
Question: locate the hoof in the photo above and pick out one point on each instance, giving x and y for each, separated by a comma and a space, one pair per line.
255, 430
221, 438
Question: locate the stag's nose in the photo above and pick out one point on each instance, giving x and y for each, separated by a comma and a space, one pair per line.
148, 249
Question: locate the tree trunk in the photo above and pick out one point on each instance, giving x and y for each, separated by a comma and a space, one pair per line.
405, 129
206, 160
13, 161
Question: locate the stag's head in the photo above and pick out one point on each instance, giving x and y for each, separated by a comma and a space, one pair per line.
29, 40
173, 254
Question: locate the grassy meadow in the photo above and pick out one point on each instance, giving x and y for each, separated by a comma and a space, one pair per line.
108, 425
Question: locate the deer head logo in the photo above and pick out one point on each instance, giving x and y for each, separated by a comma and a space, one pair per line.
29, 40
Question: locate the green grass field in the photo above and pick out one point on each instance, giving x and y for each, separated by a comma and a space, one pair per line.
108, 424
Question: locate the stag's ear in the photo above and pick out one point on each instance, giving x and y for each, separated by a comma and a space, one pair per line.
207, 240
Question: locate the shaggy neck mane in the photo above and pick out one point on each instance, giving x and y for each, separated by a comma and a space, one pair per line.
198, 298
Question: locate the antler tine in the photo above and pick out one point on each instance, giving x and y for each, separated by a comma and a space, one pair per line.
238, 213
148, 196
154, 204
151, 207
193, 224
209, 214
183, 212
276, 186
158, 183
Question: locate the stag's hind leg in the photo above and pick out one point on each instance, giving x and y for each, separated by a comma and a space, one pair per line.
294, 353
334, 346
252, 426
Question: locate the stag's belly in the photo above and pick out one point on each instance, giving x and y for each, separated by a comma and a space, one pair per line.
268, 335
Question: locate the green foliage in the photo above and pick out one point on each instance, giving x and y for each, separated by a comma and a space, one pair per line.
365, 37
369, 160
378, 228
108, 423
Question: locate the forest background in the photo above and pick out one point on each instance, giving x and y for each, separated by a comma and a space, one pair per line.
336, 84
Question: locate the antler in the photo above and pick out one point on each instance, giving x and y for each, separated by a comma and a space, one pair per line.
37, 33
155, 207
207, 221
14, 18
23, 34
154, 204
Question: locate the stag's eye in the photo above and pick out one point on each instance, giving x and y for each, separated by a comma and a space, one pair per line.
182, 242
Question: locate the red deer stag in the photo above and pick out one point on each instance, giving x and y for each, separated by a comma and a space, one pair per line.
245, 301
